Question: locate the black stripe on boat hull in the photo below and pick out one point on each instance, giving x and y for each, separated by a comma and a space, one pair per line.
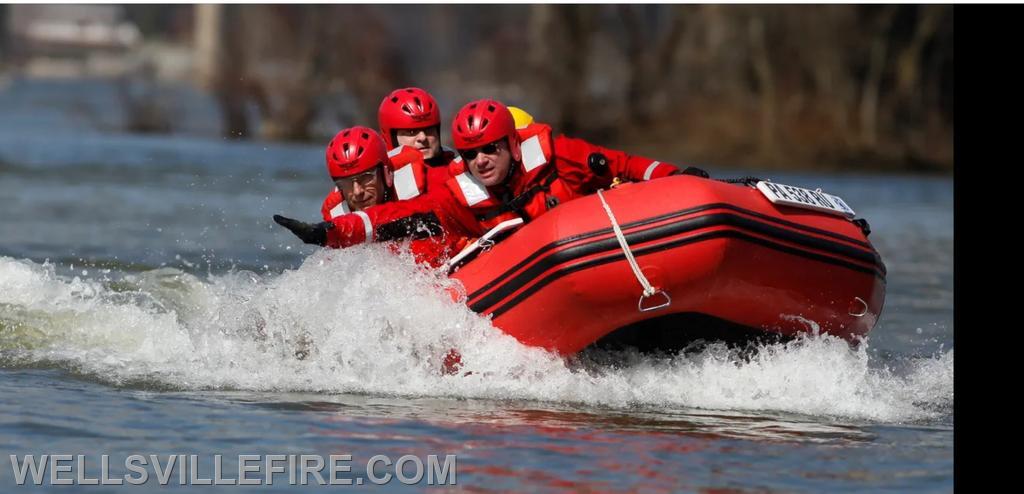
513, 284
650, 249
656, 219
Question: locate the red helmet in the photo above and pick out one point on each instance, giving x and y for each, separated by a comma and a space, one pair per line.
355, 150
409, 108
484, 121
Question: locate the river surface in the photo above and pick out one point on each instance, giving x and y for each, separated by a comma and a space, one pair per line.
149, 305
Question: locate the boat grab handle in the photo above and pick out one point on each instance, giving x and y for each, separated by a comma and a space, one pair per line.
640, 303
649, 290
863, 310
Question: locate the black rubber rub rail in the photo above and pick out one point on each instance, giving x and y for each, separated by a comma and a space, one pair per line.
513, 284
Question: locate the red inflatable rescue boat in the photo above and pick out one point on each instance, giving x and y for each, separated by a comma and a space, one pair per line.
766, 258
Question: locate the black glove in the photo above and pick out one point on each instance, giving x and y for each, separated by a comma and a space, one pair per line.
598, 164
693, 170
310, 233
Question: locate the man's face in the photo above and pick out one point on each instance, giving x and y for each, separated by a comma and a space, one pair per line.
427, 140
365, 189
489, 163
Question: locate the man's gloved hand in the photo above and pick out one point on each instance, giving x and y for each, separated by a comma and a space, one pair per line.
310, 233
598, 164
693, 170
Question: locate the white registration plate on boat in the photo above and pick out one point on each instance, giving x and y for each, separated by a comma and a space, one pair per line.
799, 197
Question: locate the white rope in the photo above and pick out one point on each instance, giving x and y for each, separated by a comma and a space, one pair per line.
648, 289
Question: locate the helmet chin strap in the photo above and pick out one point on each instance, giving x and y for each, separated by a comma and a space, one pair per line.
513, 162
512, 165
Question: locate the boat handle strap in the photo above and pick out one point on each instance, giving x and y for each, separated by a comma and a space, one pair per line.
648, 289
640, 303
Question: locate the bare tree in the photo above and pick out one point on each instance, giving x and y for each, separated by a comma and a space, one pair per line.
281, 59
786, 84
765, 83
869, 101
559, 50
650, 53
220, 65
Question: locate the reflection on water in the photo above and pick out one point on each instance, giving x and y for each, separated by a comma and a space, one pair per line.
525, 446
482, 418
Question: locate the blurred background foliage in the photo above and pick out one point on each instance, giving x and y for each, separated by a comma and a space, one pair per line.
783, 86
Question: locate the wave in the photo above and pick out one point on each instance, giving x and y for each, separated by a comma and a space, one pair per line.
363, 320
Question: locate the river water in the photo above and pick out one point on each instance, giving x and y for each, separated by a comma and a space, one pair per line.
149, 305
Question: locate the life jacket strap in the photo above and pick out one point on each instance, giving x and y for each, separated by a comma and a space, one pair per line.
517, 203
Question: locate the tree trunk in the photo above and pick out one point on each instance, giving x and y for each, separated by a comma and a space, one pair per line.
766, 85
559, 46
873, 81
909, 62
651, 61
219, 66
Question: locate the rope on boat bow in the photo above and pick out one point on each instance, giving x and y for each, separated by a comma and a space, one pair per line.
648, 289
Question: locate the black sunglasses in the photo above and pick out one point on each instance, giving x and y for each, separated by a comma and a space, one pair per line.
470, 154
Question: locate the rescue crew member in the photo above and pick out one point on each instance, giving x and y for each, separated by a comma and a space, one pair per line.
505, 173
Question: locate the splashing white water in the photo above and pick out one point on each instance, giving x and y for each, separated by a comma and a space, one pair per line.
363, 320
